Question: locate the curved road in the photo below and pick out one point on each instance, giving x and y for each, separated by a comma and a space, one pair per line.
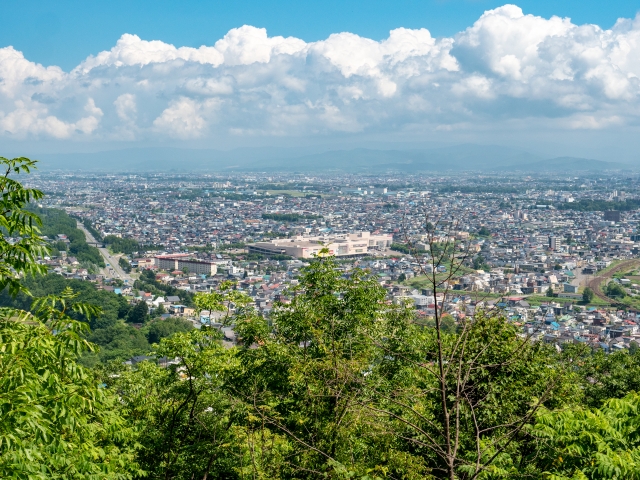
113, 269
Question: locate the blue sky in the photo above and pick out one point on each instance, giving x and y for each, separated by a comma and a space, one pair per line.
561, 76
64, 32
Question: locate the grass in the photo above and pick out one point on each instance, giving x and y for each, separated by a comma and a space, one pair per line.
538, 299
604, 271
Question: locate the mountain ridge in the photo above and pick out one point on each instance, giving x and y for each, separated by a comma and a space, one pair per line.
462, 157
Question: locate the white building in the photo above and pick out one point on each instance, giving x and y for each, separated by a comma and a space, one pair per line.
347, 245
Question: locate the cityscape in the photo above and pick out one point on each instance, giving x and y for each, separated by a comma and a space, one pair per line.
533, 244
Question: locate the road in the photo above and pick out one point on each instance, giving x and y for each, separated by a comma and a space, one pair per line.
112, 269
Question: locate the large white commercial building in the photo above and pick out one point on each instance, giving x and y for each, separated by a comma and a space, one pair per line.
347, 245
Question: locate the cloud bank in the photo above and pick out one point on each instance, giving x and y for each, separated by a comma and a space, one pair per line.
506, 67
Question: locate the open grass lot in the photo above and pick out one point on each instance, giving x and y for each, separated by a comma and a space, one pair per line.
605, 271
539, 299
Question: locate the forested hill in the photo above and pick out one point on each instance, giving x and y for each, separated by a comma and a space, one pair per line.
56, 222
113, 330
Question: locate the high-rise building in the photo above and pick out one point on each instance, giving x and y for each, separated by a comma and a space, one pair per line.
554, 242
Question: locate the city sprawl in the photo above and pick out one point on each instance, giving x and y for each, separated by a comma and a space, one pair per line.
559, 254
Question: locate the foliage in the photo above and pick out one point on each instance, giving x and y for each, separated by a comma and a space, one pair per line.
588, 205
403, 248
160, 329
139, 313
484, 232
615, 290
20, 243
187, 421
57, 423
55, 222
587, 295
124, 264
594, 444
96, 234
148, 283
122, 245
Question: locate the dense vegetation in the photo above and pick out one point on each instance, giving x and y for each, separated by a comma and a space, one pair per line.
337, 384
124, 245
111, 329
404, 248
96, 234
56, 222
599, 205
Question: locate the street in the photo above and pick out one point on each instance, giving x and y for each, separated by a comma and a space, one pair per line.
112, 269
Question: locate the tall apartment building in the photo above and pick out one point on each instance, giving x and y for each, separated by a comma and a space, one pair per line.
182, 261
554, 243
348, 245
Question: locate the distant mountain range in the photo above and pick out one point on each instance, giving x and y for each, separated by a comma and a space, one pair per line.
467, 157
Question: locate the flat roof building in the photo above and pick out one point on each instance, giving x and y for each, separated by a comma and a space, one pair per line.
182, 262
347, 245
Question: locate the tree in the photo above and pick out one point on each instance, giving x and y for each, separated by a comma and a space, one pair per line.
159, 311
188, 424
124, 264
587, 295
55, 421
472, 394
484, 232
139, 313
594, 444
160, 329
402, 277
306, 380
615, 290
550, 291
19, 256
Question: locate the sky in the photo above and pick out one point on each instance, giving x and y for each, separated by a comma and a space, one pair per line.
561, 76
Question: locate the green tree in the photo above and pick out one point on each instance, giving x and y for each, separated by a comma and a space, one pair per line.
139, 313
587, 295
191, 427
580, 443
306, 380
159, 311
550, 291
55, 421
484, 232
20, 243
160, 329
615, 290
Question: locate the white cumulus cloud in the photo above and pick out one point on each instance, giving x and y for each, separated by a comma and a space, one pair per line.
507, 66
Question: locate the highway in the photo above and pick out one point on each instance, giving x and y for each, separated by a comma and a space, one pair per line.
112, 269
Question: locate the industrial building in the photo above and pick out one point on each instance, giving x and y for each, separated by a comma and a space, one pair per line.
347, 245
